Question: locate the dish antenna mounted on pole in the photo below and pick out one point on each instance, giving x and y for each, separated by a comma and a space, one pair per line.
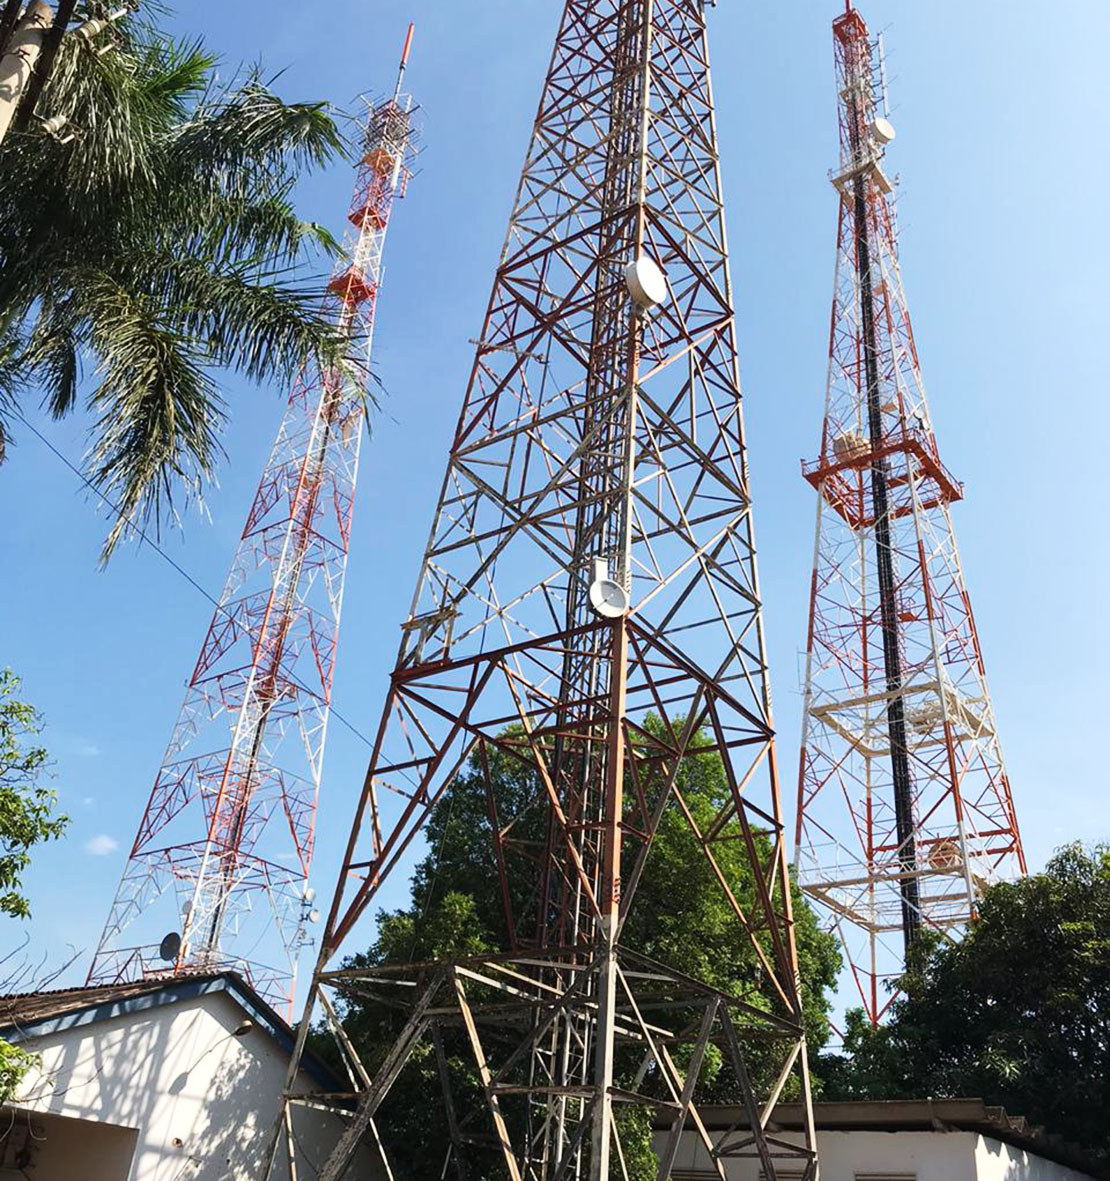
904, 807
218, 875
586, 625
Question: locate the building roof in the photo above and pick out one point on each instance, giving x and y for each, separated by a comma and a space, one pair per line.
20, 1010
919, 1115
28, 1015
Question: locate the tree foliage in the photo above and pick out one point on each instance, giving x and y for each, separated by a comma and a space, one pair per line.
26, 819
1017, 1013
680, 917
150, 241
26, 806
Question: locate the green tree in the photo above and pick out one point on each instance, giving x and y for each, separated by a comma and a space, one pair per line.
680, 917
1017, 1012
149, 243
26, 819
26, 806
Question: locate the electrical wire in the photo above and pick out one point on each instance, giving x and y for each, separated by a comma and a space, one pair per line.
172, 562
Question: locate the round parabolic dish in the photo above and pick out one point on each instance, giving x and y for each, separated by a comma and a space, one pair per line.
883, 130
646, 282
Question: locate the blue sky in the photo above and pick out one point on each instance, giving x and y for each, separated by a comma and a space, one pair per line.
1002, 111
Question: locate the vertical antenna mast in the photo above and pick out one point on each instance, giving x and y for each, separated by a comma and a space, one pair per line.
404, 62
904, 808
584, 647
217, 877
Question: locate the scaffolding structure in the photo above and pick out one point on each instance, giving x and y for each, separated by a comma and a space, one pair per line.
584, 640
904, 807
217, 877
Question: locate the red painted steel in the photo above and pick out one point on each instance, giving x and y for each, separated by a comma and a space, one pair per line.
599, 449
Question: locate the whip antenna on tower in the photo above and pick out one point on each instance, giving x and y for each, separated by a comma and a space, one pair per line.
404, 61
583, 670
904, 806
217, 877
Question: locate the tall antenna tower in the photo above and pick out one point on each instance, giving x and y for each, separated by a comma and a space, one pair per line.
904, 808
217, 876
587, 615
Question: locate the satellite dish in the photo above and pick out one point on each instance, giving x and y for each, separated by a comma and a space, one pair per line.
170, 947
646, 282
882, 130
313, 916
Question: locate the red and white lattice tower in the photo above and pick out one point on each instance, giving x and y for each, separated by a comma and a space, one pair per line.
904, 807
217, 875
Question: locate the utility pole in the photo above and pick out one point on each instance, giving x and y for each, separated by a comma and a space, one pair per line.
588, 613
29, 42
20, 47
904, 807
217, 876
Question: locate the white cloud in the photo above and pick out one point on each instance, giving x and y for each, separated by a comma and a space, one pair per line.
88, 750
101, 845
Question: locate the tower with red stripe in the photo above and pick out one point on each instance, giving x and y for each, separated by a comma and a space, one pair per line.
217, 877
904, 806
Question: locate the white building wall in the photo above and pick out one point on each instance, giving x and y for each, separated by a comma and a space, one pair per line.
1003, 1162
203, 1101
920, 1156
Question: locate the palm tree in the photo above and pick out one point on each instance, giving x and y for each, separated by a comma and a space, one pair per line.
148, 243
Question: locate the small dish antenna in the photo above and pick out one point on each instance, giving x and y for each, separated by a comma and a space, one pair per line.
646, 282
607, 597
882, 130
170, 947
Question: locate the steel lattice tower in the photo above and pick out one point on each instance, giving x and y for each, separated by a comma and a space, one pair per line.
217, 875
588, 613
904, 808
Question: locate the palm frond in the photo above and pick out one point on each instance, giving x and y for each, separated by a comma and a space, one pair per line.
159, 412
256, 324
157, 243
58, 367
251, 130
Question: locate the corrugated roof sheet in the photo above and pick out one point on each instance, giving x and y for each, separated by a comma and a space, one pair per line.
26, 1008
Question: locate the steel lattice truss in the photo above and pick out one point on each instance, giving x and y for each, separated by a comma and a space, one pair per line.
595, 434
223, 850
904, 808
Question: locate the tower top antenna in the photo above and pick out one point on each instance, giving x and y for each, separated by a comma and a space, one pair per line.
404, 60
